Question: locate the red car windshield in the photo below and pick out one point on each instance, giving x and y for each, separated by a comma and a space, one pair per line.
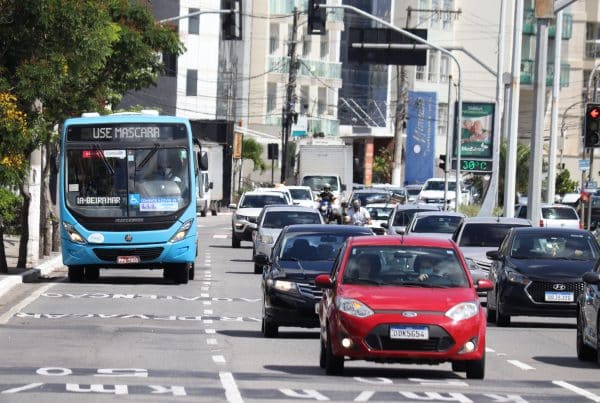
413, 266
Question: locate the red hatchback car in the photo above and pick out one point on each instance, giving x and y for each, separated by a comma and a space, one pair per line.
405, 300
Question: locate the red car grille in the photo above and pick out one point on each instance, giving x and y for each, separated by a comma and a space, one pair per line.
537, 289
439, 340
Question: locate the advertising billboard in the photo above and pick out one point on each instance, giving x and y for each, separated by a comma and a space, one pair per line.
420, 136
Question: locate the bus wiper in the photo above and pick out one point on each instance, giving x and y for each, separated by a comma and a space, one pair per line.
148, 156
110, 170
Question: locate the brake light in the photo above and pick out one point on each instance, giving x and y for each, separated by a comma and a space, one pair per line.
541, 223
91, 154
580, 225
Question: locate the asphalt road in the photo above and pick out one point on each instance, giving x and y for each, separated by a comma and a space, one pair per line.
134, 336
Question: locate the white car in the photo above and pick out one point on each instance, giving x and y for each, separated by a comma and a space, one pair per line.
302, 196
272, 220
432, 193
243, 219
380, 213
552, 215
279, 189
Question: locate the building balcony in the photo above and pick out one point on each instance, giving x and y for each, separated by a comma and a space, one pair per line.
308, 67
527, 70
530, 25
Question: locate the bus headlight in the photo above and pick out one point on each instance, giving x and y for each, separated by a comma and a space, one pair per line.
74, 236
182, 231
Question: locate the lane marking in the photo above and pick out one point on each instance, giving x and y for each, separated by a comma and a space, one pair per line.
232, 393
593, 397
219, 236
23, 388
489, 350
210, 331
521, 365
17, 308
364, 396
207, 302
211, 341
218, 359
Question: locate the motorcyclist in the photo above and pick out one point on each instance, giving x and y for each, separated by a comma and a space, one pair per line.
326, 194
358, 215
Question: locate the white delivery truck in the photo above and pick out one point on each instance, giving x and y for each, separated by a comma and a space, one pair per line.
318, 164
210, 188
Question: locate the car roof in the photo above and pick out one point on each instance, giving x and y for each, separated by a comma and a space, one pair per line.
542, 205
259, 193
371, 190
287, 207
401, 240
552, 230
329, 229
380, 205
438, 213
423, 207
497, 220
297, 187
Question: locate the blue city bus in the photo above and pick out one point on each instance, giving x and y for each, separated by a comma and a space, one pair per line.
127, 195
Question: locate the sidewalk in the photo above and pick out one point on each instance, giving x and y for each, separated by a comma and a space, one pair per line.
24, 275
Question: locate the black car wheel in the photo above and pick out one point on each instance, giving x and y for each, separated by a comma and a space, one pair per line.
584, 352
501, 319
92, 273
258, 269
192, 271
476, 368
75, 274
459, 366
322, 354
491, 312
181, 273
235, 242
268, 327
334, 365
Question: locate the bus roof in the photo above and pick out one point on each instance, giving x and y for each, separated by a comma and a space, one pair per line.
126, 118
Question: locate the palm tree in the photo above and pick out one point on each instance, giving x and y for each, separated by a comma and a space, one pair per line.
522, 180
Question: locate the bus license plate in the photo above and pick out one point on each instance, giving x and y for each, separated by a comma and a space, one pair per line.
409, 332
552, 296
128, 259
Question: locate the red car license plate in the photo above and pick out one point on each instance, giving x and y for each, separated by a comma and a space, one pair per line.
409, 332
128, 259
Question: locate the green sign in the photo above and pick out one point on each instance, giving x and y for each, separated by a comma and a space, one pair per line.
477, 130
473, 165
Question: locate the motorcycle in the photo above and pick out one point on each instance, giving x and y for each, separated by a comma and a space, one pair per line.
326, 210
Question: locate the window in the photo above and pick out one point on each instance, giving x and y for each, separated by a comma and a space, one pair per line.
420, 70
447, 16
592, 40
304, 99
324, 44
191, 85
193, 22
271, 96
170, 62
422, 16
322, 102
432, 66
273, 38
444, 68
306, 44
442, 119
436, 14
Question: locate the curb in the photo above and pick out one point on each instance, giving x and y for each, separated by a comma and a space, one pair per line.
31, 275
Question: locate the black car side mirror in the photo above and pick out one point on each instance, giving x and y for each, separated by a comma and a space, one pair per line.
385, 225
261, 259
493, 255
591, 277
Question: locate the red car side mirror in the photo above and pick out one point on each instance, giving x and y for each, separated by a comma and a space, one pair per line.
323, 281
484, 285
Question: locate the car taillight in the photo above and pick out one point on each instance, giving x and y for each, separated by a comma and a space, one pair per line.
580, 225
541, 223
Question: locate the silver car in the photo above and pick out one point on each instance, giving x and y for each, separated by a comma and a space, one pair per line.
434, 224
272, 220
402, 215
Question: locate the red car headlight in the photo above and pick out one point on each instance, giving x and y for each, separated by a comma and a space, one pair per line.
353, 307
462, 311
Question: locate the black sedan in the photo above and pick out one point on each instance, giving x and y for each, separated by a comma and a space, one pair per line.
538, 272
300, 253
588, 317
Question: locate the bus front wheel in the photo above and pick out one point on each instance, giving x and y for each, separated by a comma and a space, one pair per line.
75, 274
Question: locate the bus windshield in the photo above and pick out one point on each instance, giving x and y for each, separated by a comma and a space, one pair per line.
135, 180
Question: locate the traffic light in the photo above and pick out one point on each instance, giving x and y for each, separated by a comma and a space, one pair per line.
316, 17
442, 163
591, 128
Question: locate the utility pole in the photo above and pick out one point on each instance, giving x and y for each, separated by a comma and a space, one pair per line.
551, 192
288, 111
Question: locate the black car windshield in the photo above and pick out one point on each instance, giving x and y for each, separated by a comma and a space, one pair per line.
307, 246
437, 223
374, 197
485, 234
411, 266
554, 246
316, 183
439, 185
559, 213
380, 213
301, 194
279, 219
259, 201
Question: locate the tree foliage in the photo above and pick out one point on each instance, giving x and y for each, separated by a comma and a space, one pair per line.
522, 179
564, 183
382, 166
252, 150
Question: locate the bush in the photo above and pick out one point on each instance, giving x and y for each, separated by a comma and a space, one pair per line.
10, 211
